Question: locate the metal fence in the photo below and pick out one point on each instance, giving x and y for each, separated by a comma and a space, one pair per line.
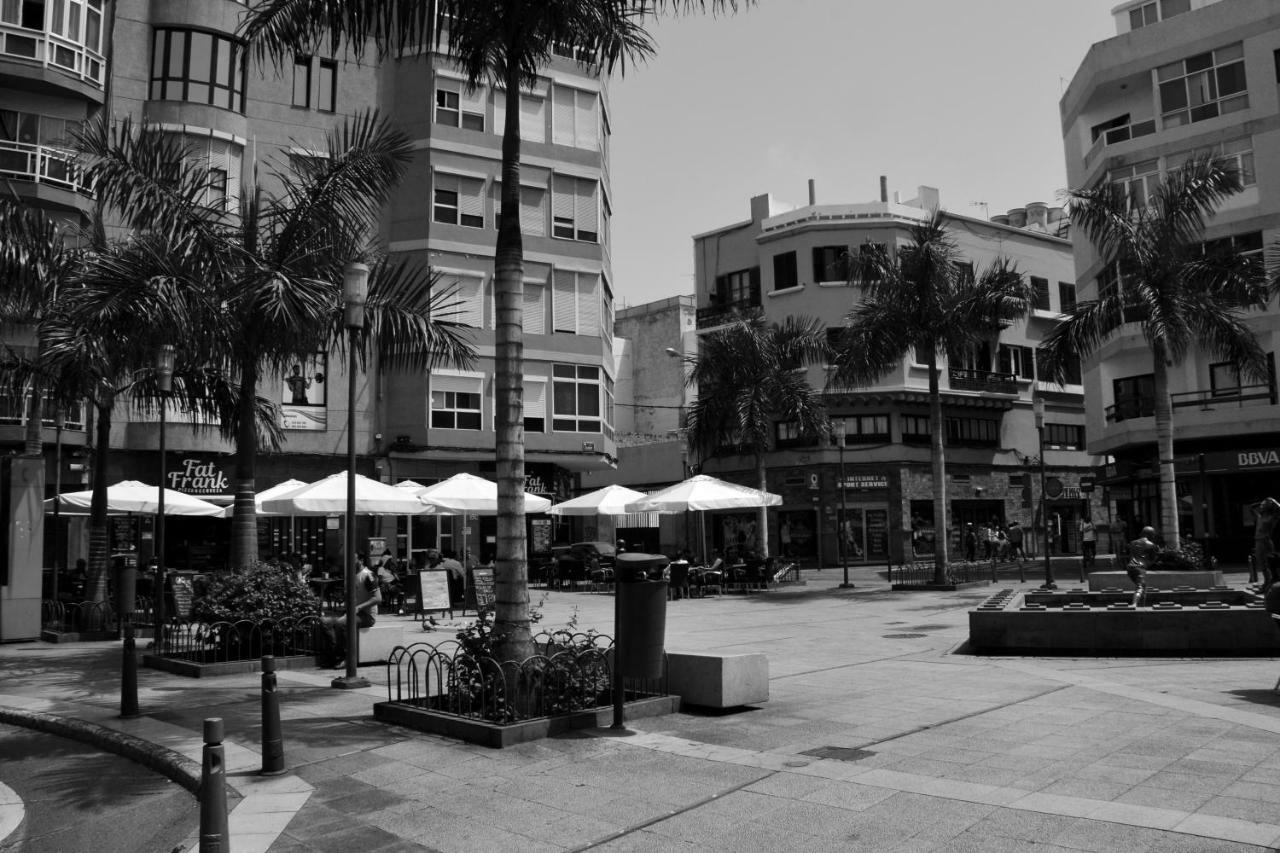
222, 642
922, 572
570, 672
86, 617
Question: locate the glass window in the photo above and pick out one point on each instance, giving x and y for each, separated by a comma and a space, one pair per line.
1040, 293
830, 263
302, 81
197, 66
786, 272
1066, 297
576, 403
863, 429
455, 410
575, 212
1064, 436
456, 106
458, 200
1203, 86
327, 88
1224, 379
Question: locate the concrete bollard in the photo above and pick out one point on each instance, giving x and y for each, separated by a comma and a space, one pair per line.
129, 675
213, 791
272, 738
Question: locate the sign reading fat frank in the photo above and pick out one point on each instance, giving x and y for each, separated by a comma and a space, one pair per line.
197, 477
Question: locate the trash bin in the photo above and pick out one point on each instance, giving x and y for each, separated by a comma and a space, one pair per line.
642, 614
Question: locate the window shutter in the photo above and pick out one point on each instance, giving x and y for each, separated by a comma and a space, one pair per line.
535, 312
533, 122
562, 197
562, 115
586, 125
533, 218
1028, 363
499, 112
755, 285
469, 307
588, 305
1004, 363
457, 384
564, 302
471, 101
586, 215
535, 398
471, 197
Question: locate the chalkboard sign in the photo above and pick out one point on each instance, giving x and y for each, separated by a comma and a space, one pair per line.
182, 594
481, 590
435, 591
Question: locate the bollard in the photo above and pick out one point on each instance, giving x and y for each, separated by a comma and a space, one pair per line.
272, 740
129, 675
213, 791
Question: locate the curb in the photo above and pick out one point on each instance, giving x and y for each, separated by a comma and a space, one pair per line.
172, 765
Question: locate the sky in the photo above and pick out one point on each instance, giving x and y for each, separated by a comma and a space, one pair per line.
961, 95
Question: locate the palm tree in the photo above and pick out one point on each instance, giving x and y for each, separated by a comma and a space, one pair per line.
270, 292
750, 374
506, 44
1159, 278
924, 297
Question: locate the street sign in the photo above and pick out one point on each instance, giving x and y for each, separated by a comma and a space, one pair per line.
1086, 484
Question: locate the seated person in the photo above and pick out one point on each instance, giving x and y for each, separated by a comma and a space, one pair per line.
333, 649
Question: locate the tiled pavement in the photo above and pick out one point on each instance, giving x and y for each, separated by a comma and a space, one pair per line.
878, 736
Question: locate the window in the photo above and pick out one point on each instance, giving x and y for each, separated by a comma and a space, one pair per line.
576, 398
217, 196
1233, 152
1149, 13
1134, 396
789, 434
737, 288
608, 406
964, 271
455, 401
464, 300
535, 404
575, 304
458, 200
972, 431
864, 429
573, 118
915, 429
1247, 245
1203, 86
327, 89
1137, 181
534, 308
785, 272
1039, 293
1017, 360
575, 214
302, 81
830, 263
457, 106
1224, 379
1066, 297
191, 65
1063, 436
1071, 371
869, 253
533, 116
533, 209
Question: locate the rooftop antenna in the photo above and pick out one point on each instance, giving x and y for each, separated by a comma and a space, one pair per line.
986, 213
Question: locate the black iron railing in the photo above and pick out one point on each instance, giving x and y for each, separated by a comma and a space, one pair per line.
222, 642
1238, 397
963, 379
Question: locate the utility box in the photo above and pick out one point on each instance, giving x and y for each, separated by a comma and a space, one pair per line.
21, 547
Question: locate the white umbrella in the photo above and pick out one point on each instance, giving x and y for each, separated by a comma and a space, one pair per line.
267, 494
610, 500
467, 493
133, 496
703, 492
329, 497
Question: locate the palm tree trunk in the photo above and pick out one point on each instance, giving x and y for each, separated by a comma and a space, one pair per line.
1164, 448
33, 445
99, 541
763, 521
939, 465
511, 577
244, 520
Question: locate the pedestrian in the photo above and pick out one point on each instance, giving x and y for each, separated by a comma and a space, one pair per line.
333, 649
1015, 542
1002, 544
1088, 542
1142, 555
1266, 513
970, 542
989, 538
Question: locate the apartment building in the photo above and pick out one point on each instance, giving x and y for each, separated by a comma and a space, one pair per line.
787, 260
1183, 77
181, 65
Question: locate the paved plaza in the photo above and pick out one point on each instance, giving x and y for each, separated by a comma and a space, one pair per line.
880, 734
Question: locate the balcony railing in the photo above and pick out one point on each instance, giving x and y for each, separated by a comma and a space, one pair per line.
1136, 130
718, 315
1240, 397
13, 412
42, 164
52, 50
963, 379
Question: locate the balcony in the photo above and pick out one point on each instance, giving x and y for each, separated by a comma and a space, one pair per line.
1240, 397
41, 164
963, 379
719, 315
1115, 135
53, 52
13, 412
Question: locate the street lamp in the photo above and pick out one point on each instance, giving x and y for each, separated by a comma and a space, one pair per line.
164, 384
842, 528
355, 290
1038, 407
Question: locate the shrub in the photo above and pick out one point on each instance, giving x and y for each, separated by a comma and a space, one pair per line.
259, 592
1187, 560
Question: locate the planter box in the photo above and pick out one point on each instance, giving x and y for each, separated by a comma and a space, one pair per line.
195, 669
499, 736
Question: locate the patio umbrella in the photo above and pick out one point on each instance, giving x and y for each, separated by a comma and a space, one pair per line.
133, 496
701, 493
267, 494
329, 497
610, 500
467, 493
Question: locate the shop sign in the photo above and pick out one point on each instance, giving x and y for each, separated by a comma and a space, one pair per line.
197, 477
1086, 484
863, 482
1053, 487
1218, 461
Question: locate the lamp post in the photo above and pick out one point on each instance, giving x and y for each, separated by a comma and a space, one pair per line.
1038, 407
842, 528
164, 384
355, 290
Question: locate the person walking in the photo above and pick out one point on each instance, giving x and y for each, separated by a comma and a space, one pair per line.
1088, 542
970, 542
1015, 542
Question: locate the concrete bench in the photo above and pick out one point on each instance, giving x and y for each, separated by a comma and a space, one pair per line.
1156, 580
718, 680
377, 642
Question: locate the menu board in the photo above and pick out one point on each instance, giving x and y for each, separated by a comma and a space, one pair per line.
182, 596
541, 536
482, 588
877, 532
435, 590
124, 532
